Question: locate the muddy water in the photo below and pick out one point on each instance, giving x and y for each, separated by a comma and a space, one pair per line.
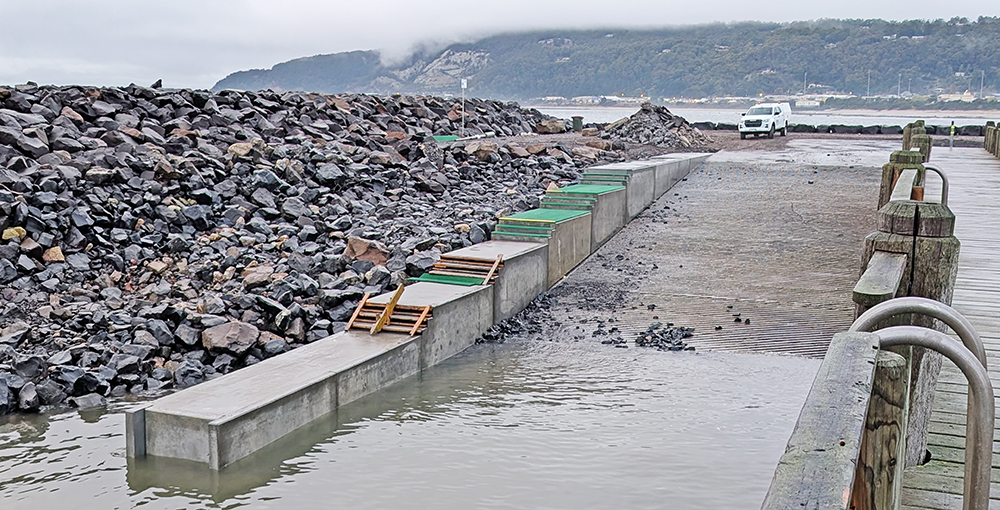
526, 424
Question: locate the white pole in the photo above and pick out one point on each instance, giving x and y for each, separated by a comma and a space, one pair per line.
869, 94
899, 85
982, 79
463, 108
804, 81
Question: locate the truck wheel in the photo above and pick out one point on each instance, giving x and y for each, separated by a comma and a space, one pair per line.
743, 136
784, 131
770, 134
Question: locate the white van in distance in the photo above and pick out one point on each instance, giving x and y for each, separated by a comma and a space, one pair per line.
765, 119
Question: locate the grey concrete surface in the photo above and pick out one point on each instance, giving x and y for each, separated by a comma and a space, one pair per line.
180, 425
456, 325
609, 214
671, 168
568, 246
641, 184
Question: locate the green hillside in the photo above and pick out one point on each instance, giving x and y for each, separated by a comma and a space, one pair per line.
695, 61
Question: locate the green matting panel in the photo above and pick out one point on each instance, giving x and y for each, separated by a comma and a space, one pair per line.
465, 281
546, 215
590, 189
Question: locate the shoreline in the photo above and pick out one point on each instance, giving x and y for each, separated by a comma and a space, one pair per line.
984, 114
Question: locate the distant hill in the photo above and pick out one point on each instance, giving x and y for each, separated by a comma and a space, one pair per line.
694, 61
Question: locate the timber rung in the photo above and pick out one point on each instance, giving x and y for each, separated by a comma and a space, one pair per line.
404, 319
450, 265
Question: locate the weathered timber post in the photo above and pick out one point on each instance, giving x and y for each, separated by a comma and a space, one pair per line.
915, 138
898, 161
878, 484
991, 140
996, 141
922, 142
924, 231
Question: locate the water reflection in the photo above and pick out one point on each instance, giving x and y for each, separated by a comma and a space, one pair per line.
525, 424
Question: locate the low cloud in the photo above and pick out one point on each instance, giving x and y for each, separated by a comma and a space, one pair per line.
191, 43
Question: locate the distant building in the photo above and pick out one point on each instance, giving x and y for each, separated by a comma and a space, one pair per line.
966, 96
807, 103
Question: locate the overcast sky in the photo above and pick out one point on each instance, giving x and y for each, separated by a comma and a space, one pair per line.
194, 43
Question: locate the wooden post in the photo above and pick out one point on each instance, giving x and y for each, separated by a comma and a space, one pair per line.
878, 484
898, 161
922, 143
924, 231
818, 467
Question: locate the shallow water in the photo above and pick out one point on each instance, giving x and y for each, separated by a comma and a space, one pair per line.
813, 118
526, 424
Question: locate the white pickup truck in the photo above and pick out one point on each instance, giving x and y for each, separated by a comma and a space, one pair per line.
765, 119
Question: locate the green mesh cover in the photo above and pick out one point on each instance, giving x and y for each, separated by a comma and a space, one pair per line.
553, 215
590, 189
464, 281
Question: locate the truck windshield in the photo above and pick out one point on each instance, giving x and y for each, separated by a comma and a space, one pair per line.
759, 111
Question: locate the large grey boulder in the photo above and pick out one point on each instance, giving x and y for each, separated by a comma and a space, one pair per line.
234, 337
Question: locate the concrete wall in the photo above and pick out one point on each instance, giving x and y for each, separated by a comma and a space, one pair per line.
221, 421
568, 246
609, 215
456, 325
523, 278
226, 419
524, 275
640, 185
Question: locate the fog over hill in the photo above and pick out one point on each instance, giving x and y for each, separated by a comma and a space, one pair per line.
693, 61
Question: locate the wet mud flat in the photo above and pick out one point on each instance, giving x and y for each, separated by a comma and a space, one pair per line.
755, 256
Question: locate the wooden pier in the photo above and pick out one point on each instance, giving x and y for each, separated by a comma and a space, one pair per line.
975, 181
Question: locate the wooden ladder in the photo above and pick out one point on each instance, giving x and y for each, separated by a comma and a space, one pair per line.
391, 316
450, 265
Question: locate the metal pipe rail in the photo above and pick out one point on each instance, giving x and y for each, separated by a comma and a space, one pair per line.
869, 320
978, 455
944, 182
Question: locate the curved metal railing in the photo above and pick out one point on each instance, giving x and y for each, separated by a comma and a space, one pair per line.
979, 430
944, 181
868, 321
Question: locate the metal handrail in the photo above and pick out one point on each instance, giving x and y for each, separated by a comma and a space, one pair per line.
867, 321
944, 182
978, 446
958, 323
